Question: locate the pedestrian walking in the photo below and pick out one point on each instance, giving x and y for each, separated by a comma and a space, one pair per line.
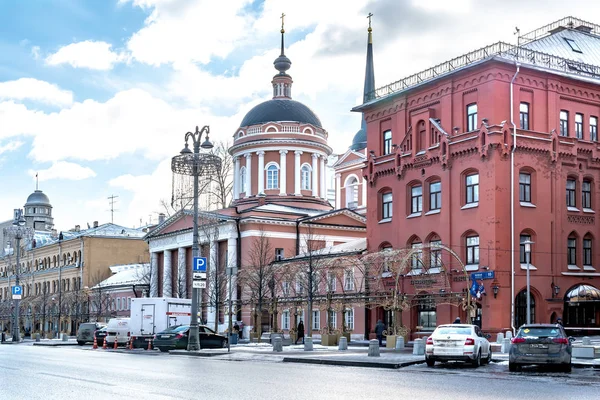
300, 332
559, 321
379, 328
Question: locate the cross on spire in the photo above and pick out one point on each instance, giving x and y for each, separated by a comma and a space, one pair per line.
282, 22
369, 16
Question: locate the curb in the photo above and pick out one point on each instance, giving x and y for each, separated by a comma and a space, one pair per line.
54, 344
196, 353
345, 363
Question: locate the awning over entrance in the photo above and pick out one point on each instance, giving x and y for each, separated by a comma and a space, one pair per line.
583, 293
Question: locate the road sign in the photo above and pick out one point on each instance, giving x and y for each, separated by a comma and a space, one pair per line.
199, 275
199, 264
17, 292
482, 275
199, 284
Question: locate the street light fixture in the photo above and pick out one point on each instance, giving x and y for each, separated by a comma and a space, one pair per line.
196, 164
495, 289
18, 231
527, 244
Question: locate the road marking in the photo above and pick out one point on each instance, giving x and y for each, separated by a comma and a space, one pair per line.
77, 379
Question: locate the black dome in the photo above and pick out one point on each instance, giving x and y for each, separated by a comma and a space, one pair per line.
360, 140
281, 110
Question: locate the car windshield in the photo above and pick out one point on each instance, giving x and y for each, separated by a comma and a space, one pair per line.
541, 332
447, 330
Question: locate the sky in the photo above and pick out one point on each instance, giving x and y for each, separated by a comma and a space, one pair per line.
96, 96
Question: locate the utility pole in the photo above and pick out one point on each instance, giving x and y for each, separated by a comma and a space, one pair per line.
112, 201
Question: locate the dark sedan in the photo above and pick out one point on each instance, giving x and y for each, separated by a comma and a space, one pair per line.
177, 338
100, 335
540, 344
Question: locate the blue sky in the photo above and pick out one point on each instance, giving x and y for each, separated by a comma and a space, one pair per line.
97, 95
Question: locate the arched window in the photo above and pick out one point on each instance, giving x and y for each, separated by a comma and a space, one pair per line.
272, 176
417, 257
351, 186
243, 180
521, 308
305, 172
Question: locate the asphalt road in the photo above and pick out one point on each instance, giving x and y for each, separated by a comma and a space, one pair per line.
30, 372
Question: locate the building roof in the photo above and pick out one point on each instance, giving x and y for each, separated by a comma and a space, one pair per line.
281, 110
126, 275
38, 198
108, 230
352, 247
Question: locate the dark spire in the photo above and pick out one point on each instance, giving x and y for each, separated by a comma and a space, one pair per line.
282, 63
282, 82
369, 70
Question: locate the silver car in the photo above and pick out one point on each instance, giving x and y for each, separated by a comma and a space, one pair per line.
540, 344
458, 342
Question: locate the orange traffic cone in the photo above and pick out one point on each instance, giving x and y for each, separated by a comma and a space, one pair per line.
150, 344
130, 347
95, 342
116, 343
104, 347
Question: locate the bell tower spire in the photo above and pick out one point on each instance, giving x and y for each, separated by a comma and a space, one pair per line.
369, 70
282, 82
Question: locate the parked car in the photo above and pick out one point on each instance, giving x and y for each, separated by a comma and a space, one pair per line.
177, 338
458, 342
119, 328
101, 335
85, 334
541, 344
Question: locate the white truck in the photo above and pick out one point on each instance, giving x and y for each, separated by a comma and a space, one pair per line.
151, 315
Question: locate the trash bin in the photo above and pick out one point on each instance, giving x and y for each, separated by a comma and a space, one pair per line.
233, 338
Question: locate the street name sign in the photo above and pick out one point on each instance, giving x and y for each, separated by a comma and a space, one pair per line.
482, 275
199, 275
17, 292
199, 284
199, 264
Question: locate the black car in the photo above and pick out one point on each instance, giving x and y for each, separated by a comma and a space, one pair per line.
176, 337
100, 335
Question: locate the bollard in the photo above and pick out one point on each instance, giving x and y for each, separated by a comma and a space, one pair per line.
505, 346
500, 337
37, 337
65, 337
374, 348
95, 346
277, 346
509, 335
399, 342
586, 341
343, 345
116, 343
419, 347
308, 343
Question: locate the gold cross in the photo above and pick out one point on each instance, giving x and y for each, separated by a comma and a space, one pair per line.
282, 16
369, 16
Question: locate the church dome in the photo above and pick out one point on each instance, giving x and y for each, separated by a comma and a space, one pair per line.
360, 140
38, 198
279, 110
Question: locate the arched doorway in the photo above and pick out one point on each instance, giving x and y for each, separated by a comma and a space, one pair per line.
582, 307
521, 308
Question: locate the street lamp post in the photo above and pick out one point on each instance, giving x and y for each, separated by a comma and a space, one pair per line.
230, 328
196, 164
18, 231
527, 244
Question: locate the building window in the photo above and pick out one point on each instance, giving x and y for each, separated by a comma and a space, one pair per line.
524, 115
594, 129
473, 250
586, 194
417, 258
386, 205
331, 282
386, 261
472, 186
427, 317
351, 192
573, 45
279, 254
564, 123
332, 319
285, 288
272, 177
471, 117
571, 185
587, 252
129, 303
521, 308
118, 304
243, 180
316, 320
435, 254
435, 196
522, 254
579, 126
305, 177
416, 199
387, 142
350, 319
525, 187
285, 319
349, 280
572, 251
299, 288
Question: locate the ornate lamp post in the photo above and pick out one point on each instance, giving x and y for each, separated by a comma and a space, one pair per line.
18, 231
196, 164
527, 244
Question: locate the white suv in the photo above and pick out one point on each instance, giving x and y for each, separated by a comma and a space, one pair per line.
458, 342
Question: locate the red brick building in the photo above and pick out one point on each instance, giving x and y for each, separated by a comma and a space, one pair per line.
481, 153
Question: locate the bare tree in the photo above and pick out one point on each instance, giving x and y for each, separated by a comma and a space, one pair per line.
99, 296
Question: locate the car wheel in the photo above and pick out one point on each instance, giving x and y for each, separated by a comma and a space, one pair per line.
224, 344
477, 361
430, 362
512, 367
80, 343
489, 356
163, 349
566, 368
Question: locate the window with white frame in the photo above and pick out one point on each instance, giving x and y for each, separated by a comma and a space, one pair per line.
316, 320
129, 303
331, 282
349, 279
118, 304
299, 288
243, 180
285, 319
305, 173
350, 319
386, 205
472, 249
594, 129
579, 126
472, 189
471, 117
435, 254
123, 303
332, 319
272, 176
279, 254
417, 257
285, 288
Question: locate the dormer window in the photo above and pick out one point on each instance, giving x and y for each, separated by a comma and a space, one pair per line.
574, 46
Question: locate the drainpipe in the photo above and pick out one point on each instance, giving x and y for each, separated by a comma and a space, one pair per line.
512, 202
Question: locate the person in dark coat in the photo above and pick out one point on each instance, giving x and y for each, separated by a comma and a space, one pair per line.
300, 332
379, 328
457, 320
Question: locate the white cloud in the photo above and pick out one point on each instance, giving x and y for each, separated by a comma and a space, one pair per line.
10, 146
35, 52
34, 89
63, 170
87, 54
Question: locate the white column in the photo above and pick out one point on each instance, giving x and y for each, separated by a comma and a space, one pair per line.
236, 178
232, 263
364, 193
248, 174
261, 172
297, 174
167, 286
315, 175
323, 176
338, 191
282, 172
181, 289
153, 274
213, 265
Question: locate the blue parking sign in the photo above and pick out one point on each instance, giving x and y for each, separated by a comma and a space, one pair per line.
17, 292
199, 264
